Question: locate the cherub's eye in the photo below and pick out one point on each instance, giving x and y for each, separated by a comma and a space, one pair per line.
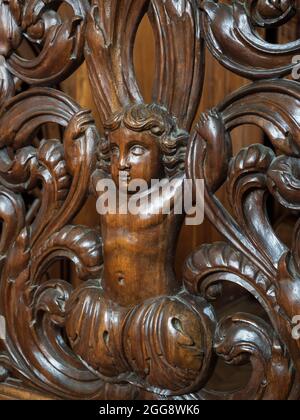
115, 151
138, 150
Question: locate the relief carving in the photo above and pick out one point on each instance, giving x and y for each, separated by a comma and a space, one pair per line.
132, 329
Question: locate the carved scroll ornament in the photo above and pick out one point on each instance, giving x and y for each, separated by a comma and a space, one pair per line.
132, 329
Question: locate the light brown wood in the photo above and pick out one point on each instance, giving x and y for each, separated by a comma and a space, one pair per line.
10, 392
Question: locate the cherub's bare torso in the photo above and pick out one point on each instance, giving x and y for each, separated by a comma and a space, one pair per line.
139, 253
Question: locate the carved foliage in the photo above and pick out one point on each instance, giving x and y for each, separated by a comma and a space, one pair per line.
78, 342
230, 34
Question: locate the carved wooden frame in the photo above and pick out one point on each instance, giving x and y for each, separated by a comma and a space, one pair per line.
84, 343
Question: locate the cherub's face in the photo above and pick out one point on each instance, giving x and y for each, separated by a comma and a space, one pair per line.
134, 156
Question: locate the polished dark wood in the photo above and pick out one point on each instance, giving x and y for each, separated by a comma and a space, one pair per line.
130, 328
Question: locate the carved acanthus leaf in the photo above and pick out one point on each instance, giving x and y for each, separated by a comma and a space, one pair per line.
241, 338
231, 38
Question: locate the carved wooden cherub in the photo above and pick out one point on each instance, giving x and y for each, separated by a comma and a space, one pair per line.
136, 318
143, 142
139, 325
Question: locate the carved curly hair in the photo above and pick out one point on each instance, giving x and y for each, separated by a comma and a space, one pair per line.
163, 127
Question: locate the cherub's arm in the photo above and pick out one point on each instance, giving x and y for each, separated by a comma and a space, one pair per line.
217, 148
102, 170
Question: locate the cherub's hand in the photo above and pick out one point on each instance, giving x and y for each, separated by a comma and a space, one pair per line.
210, 125
212, 131
75, 132
80, 123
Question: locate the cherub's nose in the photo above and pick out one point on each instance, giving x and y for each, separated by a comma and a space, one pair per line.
123, 162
